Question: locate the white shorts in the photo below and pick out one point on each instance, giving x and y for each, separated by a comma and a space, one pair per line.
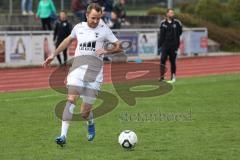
78, 82
88, 91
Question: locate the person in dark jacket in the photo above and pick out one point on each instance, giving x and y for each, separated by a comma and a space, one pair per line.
169, 40
114, 22
120, 9
100, 2
61, 31
79, 8
107, 9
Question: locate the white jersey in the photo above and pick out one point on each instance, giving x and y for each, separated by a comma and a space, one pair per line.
89, 40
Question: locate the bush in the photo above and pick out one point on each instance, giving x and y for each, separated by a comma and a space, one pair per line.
228, 38
156, 11
209, 10
187, 7
220, 12
234, 6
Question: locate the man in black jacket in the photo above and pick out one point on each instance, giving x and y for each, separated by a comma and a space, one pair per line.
170, 31
61, 31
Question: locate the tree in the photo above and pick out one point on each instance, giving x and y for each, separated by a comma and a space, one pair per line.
234, 6
210, 10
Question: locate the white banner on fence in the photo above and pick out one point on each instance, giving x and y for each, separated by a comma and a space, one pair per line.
18, 49
32, 47
147, 44
49, 47
193, 41
38, 49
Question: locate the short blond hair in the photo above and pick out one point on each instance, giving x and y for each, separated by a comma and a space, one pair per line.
94, 6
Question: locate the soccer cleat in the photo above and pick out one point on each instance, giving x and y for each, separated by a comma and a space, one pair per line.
161, 79
61, 140
170, 82
91, 132
173, 79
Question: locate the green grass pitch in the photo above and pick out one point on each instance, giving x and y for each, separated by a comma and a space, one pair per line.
199, 119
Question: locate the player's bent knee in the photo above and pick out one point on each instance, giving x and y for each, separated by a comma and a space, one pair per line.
88, 100
85, 115
72, 98
86, 110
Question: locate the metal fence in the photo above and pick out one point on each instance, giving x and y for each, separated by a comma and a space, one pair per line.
14, 6
23, 48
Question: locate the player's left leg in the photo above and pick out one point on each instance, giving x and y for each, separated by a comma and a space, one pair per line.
172, 58
89, 97
65, 56
87, 114
48, 24
67, 115
59, 59
163, 60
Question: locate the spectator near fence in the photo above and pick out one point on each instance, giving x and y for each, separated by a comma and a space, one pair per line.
46, 10
107, 10
79, 9
119, 8
26, 6
100, 2
61, 31
114, 22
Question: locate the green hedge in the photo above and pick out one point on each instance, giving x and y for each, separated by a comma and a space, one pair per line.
228, 38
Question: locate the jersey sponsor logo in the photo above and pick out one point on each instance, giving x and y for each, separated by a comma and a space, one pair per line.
96, 34
88, 46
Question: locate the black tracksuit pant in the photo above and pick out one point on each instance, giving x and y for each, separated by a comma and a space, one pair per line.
64, 56
46, 24
170, 52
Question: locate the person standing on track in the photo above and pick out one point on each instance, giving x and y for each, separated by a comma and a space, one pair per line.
61, 31
170, 32
85, 80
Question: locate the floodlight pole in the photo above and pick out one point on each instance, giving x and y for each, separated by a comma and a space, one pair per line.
170, 4
10, 7
62, 4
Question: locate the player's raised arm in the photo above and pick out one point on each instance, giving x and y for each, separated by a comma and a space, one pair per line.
65, 43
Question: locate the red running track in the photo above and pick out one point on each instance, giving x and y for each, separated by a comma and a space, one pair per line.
37, 78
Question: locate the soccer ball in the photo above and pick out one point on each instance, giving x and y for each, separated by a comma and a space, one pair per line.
127, 139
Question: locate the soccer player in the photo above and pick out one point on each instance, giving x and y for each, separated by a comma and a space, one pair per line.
170, 31
91, 36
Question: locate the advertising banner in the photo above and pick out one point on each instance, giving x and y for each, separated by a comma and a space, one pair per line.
147, 44
2, 49
132, 37
18, 49
194, 42
48, 47
38, 49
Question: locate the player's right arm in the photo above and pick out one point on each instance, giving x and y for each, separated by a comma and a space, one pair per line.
162, 33
65, 43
